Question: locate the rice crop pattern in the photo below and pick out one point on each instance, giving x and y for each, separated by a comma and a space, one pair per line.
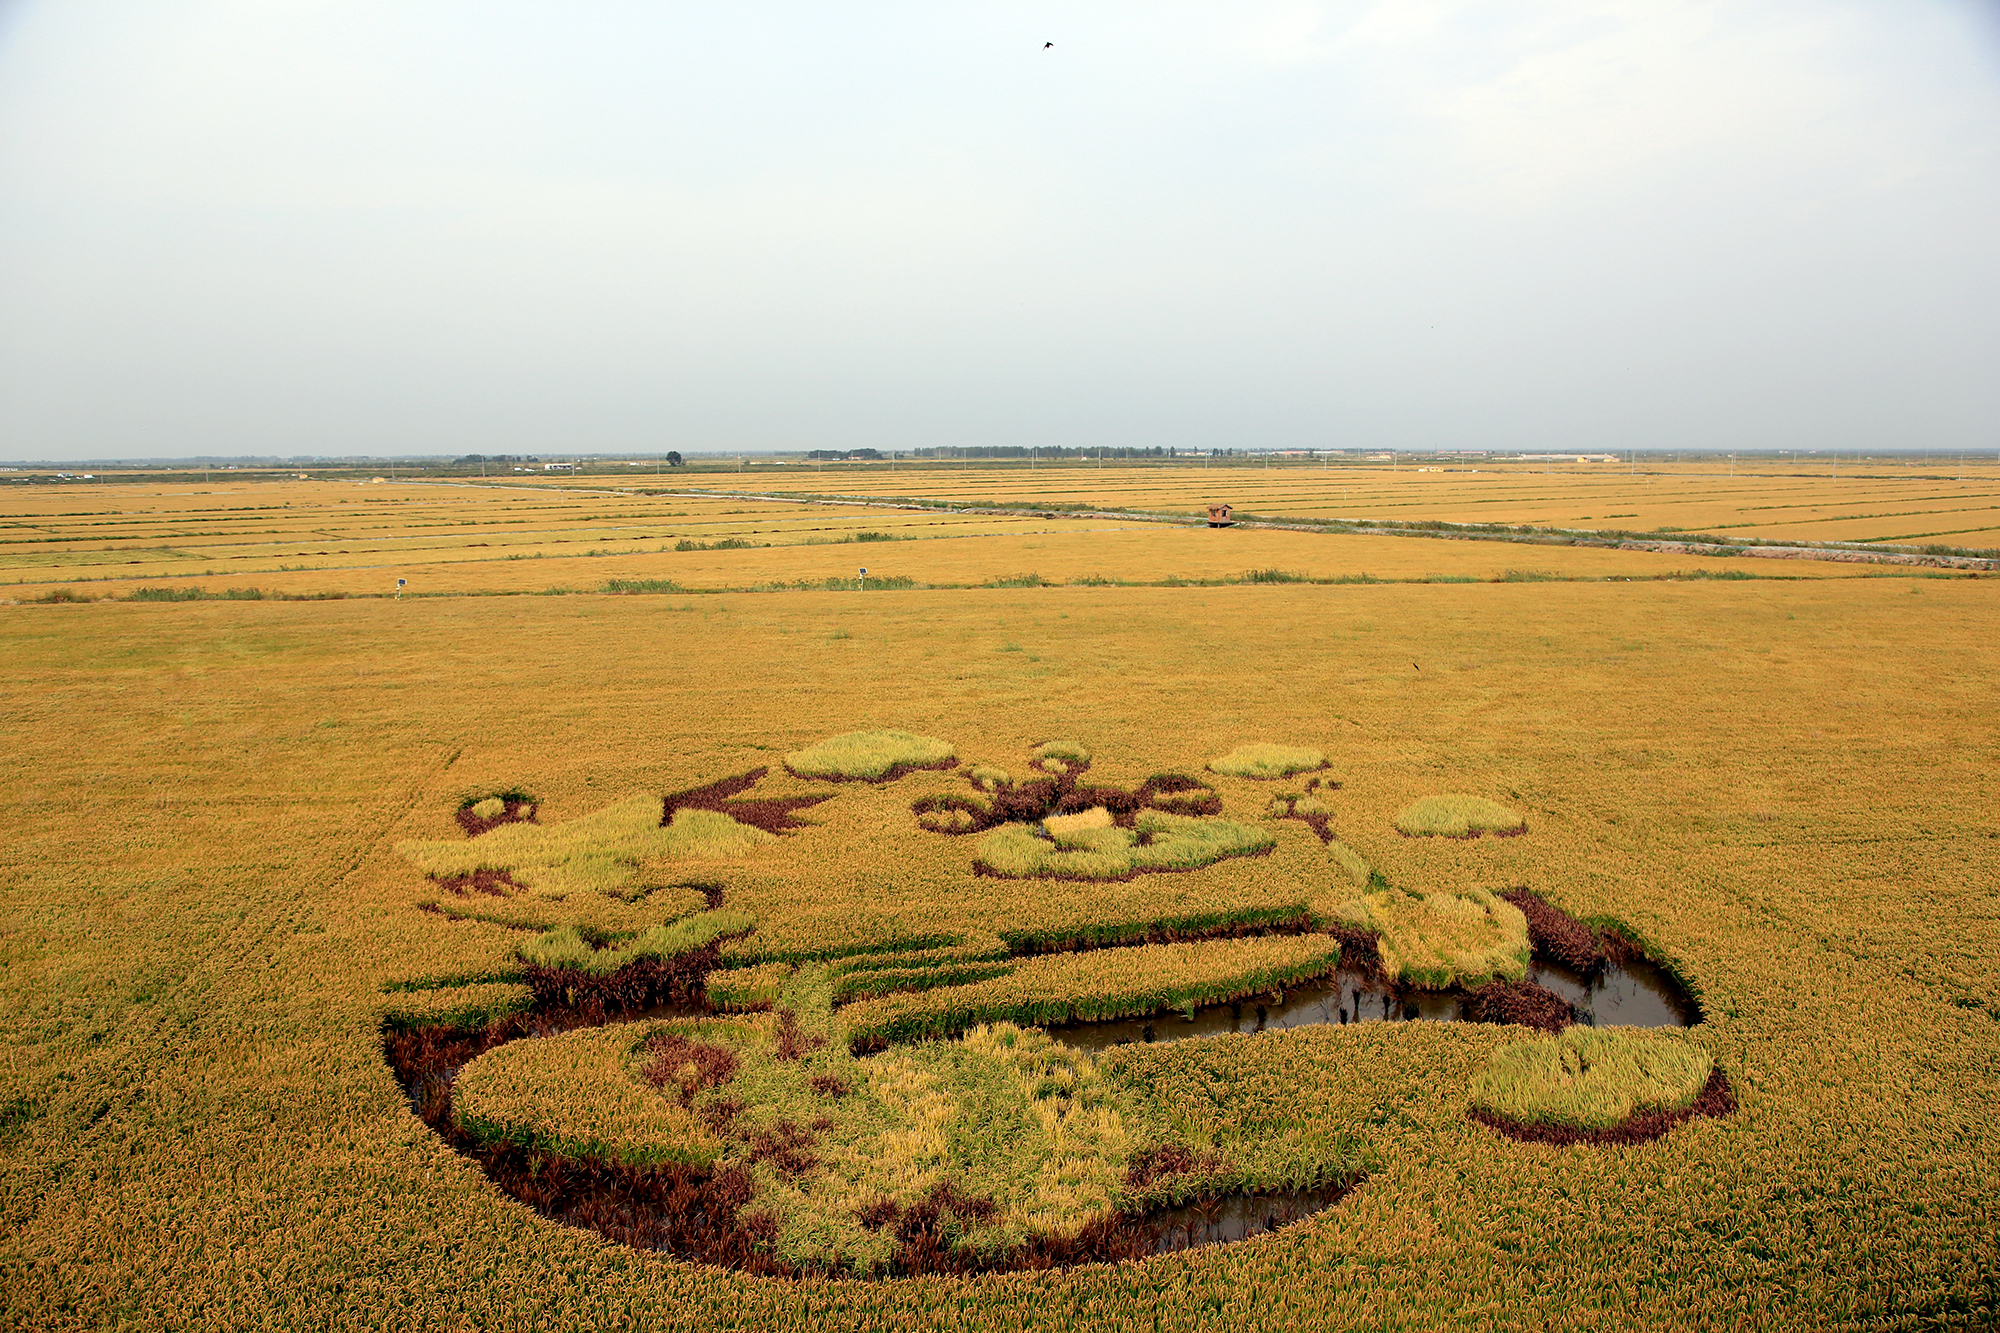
1778, 790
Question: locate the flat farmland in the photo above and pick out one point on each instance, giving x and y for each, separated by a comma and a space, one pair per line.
1948, 501
359, 537
215, 908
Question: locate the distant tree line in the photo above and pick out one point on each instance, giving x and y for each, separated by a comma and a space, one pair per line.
1056, 451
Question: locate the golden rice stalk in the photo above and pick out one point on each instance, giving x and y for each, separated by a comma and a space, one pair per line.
578, 1095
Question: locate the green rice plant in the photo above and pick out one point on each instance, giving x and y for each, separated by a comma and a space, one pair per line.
977, 947
1060, 756
578, 1095
568, 947
1265, 761
1077, 1142
951, 812
637, 585
889, 980
1097, 984
1273, 576
1177, 842
1158, 842
1436, 940
1297, 805
460, 1007
990, 779
1018, 851
870, 756
1457, 817
1590, 1078
1181, 794
739, 989
601, 852
1350, 861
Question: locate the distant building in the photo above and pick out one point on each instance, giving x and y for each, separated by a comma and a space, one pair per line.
558, 467
1218, 517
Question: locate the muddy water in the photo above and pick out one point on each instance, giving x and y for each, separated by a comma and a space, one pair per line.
1636, 994
1236, 1216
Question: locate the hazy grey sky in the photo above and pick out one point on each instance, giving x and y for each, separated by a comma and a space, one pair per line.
406, 227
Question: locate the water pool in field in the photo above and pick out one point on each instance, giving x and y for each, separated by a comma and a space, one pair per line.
1631, 994
1232, 1217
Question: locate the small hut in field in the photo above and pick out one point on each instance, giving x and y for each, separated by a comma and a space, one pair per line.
1218, 516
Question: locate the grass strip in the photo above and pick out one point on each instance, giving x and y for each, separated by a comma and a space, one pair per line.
459, 1007
566, 947
1096, 985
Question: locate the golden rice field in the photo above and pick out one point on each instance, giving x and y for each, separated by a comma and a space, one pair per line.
1946, 500
242, 836
357, 537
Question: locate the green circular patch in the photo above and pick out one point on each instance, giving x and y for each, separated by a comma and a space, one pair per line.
871, 756
1265, 761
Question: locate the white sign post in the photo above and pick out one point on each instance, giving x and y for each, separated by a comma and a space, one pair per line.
399, 588
864, 578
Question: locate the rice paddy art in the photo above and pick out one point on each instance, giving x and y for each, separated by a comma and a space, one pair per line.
667, 1062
